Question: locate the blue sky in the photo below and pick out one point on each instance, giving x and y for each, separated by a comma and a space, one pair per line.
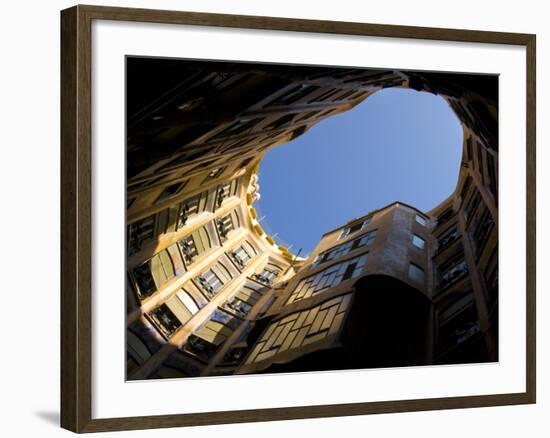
397, 145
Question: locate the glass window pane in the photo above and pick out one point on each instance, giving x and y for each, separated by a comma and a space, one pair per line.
421, 220
418, 241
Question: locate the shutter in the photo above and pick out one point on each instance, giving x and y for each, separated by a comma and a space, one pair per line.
167, 264
188, 301
249, 249
202, 201
205, 238
179, 309
157, 271
210, 335
219, 328
236, 218
199, 245
223, 272
161, 222
172, 219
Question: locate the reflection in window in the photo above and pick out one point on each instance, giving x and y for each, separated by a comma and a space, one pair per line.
268, 275
421, 220
418, 241
460, 327
242, 254
174, 312
211, 281
227, 223
453, 272
416, 273
170, 191
345, 248
327, 278
214, 173
204, 343
447, 238
351, 229
165, 320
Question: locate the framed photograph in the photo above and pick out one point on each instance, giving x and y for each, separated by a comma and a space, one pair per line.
268, 219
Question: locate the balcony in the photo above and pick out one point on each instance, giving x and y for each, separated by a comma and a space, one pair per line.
447, 240
453, 274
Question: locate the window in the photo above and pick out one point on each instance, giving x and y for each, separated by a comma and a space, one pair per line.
301, 328
188, 249
355, 227
365, 240
225, 191
211, 281
194, 245
327, 278
154, 273
237, 306
170, 191
214, 173
269, 274
144, 280
445, 216
421, 220
459, 327
140, 231
193, 206
447, 238
162, 268
482, 230
471, 207
465, 188
242, 254
250, 294
246, 162
204, 343
165, 320
418, 241
175, 312
345, 248
416, 273
453, 272
227, 223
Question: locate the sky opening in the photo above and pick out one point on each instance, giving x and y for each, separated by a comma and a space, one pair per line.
397, 145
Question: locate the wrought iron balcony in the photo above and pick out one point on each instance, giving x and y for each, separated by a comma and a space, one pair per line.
453, 274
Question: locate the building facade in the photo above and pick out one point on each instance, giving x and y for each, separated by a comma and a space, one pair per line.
210, 293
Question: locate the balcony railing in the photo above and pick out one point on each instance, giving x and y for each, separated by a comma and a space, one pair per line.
453, 274
447, 240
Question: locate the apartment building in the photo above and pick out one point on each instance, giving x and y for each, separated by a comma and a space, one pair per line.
210, 293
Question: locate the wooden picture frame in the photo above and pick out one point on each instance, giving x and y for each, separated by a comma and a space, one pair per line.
76, 218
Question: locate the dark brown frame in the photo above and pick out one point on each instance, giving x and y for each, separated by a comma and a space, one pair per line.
76, 168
